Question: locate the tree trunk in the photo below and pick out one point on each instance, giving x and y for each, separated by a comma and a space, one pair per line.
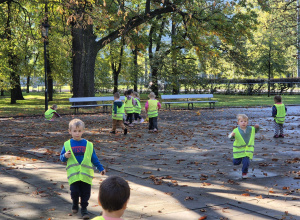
175, 89
136, 74
2, 92
49, 80
27, 84
83, 62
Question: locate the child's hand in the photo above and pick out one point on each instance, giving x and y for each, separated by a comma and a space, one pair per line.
68, 154
115, 115
232, 134
256, 126
103, 172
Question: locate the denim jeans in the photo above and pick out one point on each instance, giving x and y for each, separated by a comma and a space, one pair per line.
245, 161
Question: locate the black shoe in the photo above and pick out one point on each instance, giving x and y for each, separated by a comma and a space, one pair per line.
281, 136
75, 208
125, 131
112, 132
85, 214
276, 136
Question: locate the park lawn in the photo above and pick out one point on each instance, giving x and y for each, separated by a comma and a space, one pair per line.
34, 103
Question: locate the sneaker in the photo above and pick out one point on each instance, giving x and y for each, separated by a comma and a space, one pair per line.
126, 123
134, 122
244, 176
155, 130
142, 120
276, 136
85, 214
125, 131
75, 208
130, 125
112, 132
281, 136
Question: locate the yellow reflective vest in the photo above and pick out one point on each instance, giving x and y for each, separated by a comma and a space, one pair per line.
128, 105
98, 218
137, 108
49, 113
242, 149
80, 172
281, 113
120, 113
152, 109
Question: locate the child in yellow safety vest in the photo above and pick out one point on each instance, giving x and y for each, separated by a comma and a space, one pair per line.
152, 106
114, 193
243, 146
137, 109
80, 157
279, 113
129, 107
50, 112
118, 114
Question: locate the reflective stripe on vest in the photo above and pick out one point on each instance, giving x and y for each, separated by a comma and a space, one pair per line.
98, 218
137, 108
280, 116
152, 109
240, 148
49, 113
80, 172
128, 105
120, 113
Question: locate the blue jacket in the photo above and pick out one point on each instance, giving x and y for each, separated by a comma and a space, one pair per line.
78, 148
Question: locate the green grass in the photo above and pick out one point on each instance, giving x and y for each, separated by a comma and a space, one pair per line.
34, 103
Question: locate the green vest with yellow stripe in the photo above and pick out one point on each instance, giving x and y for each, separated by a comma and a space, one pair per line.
49, 113
80, 172
128, 105
152, 109
242, 149
281, 113
137, 108
120, 113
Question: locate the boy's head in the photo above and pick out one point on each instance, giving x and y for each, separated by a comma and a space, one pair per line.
277, 98
136, 95
54, 107
76, 129
242, 120
125, 93
152, 95
114, 194
116, 96
130, 92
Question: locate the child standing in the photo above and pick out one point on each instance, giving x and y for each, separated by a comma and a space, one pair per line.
114, 193
118, 114
137, 109
80, 157
279, 113
243, 146
129, 107
50, 112
152, 106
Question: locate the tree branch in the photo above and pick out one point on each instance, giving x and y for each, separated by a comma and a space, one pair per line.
133, 23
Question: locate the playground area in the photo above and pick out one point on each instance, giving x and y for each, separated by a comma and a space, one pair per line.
184, 171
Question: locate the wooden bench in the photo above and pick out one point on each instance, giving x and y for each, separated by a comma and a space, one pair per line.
76, 102
190, 102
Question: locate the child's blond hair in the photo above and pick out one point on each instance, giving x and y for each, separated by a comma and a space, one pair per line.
241, 116
75, 123
54, 106
136, 94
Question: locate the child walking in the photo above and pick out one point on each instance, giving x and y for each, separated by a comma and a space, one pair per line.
50, 112
152, 106
137, 109
118, 114
279, 113
114, 193
80, 157
243, 146
129, 107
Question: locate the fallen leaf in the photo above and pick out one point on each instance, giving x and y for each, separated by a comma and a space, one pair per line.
203, 217
245, 194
